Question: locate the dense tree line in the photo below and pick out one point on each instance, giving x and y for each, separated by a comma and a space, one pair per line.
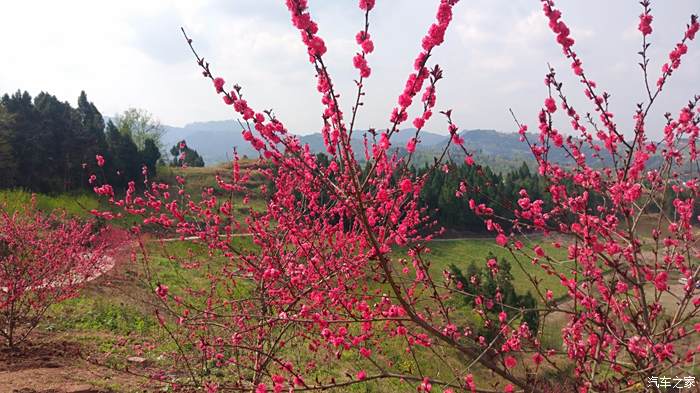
481, 184
449, 189
500, 191
49, 146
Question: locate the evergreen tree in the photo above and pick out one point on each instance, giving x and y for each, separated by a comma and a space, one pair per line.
28, 148
184, 156
8, 161
150, 156
93, 125
480, 184
65, 140
126, 161
483, 282
48, 146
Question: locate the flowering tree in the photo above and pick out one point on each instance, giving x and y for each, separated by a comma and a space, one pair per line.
44, 259
325, 281
629, 323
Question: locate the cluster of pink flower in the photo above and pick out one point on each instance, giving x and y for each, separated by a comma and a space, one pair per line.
677, 53
558, 26
359, 61
414, 84
45, 258
645, 20
612, 276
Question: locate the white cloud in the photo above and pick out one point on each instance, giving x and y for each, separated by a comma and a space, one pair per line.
130, 53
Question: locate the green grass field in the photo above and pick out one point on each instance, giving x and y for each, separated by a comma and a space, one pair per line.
200, 178
74, 204
463, 251
115, 314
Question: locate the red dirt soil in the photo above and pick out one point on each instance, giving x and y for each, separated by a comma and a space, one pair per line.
52, 366
51, 363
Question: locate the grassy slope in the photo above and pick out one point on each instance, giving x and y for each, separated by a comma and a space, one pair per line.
73, 204
199, 179
113, 316
463, 251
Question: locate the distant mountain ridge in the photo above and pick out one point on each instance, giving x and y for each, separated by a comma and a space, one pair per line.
215, 140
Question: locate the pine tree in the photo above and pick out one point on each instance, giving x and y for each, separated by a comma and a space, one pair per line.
94, 124
184, 155
62, 134
150, 156
126, 161
27, 147
8, 161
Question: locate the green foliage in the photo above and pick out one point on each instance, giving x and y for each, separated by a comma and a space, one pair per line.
150, 155
73, 204
489, 284
93, 126
140, 126
8, 162
48, 146
99, 314
483, 186
120, 165
191, 157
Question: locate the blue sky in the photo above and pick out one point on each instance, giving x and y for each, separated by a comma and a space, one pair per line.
130, 54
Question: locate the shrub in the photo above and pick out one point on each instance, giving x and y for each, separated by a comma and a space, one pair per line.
44, 259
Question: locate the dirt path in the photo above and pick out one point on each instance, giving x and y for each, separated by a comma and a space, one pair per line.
53, 365
45, 366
